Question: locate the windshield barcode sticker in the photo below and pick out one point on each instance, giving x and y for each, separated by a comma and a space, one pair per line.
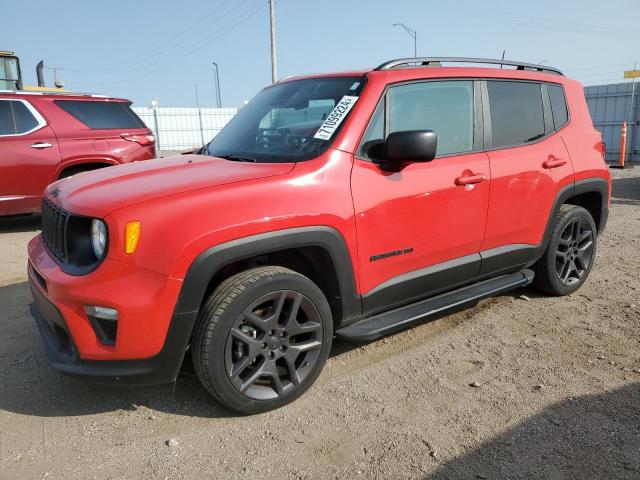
336, 117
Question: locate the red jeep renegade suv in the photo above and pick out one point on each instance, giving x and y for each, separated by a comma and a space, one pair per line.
48, 136
348, 205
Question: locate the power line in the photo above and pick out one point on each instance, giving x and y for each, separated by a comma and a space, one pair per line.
597, 74
173, 45
547, 24
595, 67
154, 67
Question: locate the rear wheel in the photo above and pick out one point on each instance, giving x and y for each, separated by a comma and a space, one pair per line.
262, 339
569, 256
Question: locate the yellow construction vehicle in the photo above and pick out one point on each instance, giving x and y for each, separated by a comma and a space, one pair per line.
11, 75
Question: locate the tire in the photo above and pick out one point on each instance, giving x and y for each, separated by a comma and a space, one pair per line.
567, 261
262, 339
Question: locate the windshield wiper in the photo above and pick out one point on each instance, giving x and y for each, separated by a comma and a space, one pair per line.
237, 158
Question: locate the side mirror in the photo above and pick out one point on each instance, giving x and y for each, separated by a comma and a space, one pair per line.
410, 146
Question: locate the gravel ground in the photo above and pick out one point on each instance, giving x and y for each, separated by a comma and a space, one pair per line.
556, 393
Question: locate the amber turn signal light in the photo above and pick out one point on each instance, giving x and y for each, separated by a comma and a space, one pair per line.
131, 237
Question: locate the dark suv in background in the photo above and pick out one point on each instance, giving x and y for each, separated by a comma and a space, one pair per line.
48, 136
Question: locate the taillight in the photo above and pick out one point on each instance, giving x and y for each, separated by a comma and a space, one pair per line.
144, 140
603, 149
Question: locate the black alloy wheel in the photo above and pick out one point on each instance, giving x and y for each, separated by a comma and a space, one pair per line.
570, 252
262, 339
574, 251
274, 345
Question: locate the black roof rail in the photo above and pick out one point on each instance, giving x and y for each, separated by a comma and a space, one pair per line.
437, 61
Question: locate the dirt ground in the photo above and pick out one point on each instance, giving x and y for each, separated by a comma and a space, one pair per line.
557, 395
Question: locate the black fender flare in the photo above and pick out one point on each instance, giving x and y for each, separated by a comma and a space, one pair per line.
210, 261
587, 185
166, 365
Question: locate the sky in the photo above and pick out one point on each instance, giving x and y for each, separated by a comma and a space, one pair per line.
144, 50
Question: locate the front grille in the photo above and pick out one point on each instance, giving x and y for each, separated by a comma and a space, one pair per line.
54, 230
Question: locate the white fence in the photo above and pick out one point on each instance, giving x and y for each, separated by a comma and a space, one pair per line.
178, 128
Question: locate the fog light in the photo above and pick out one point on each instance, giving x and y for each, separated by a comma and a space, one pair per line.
101, 312
104, 321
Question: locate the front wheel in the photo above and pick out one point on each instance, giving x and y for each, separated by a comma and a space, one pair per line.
262, 339
569, 256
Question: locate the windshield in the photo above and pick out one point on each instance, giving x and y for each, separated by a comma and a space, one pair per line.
9, 73
288, 122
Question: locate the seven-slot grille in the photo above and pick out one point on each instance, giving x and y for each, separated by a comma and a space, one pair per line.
54, 230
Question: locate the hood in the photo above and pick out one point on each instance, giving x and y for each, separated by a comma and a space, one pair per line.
100, 192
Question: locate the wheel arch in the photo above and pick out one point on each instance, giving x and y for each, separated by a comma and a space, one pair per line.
83, 166
592, 194
319, 253
589, 193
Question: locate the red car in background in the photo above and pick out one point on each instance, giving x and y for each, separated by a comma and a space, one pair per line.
48, 136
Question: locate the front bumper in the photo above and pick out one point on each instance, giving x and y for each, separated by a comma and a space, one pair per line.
149, 348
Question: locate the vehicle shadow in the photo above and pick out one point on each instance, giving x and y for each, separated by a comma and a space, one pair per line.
19, 223
626, 191
29, 386
587, 437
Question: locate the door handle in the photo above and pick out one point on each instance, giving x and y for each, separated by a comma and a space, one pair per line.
554, 162
471, 179
40, 145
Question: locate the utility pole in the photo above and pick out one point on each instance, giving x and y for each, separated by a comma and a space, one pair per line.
218, 99
55, 69
413, 34
632, 116
272, 21
199, 114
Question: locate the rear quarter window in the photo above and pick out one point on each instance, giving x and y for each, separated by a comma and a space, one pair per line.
102, 115
558, 106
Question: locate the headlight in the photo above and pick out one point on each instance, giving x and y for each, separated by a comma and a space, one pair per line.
98, 237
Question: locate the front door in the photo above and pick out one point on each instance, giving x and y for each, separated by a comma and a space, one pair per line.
29, 156
420, 228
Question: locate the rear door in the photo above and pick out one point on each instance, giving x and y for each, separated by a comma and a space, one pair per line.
529, 165
420, 228
29, 157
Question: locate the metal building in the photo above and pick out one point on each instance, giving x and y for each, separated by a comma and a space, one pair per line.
610, 105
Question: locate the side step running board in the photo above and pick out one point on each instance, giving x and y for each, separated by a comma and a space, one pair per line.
393, 320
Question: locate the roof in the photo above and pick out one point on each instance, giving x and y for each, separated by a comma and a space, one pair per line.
435, 65
68, 95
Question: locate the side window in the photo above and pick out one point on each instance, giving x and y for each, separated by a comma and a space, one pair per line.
6, 119
25, 121
102, 115
516, 112
558, 105
446, 107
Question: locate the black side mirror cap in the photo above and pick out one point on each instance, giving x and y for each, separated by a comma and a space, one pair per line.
410, 146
